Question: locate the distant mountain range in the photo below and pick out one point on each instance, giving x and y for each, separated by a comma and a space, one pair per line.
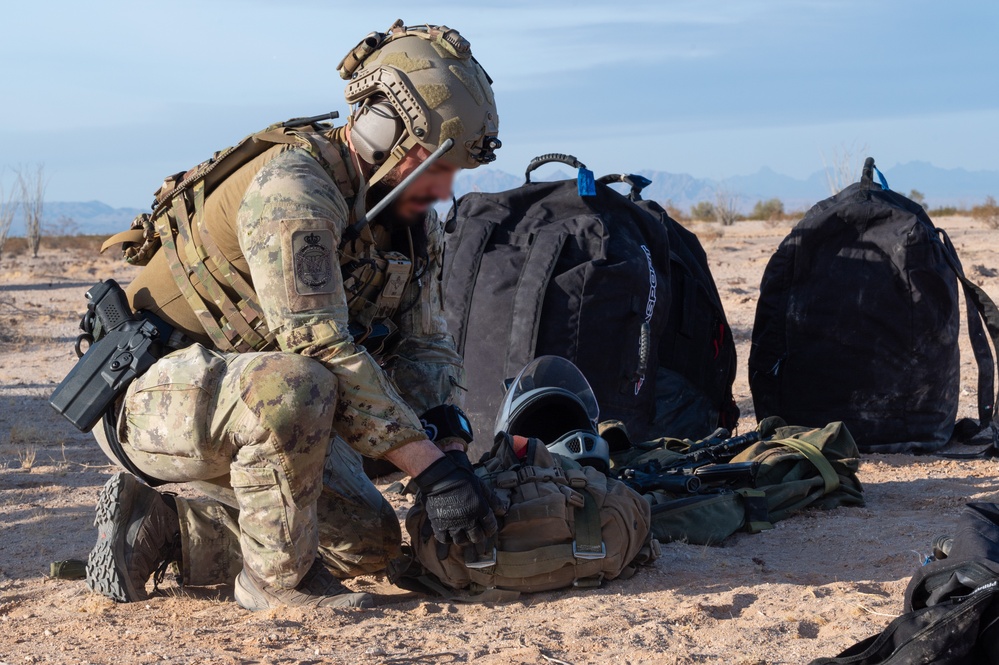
941, 187
72, 217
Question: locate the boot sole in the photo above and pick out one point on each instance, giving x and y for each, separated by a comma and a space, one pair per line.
106, 573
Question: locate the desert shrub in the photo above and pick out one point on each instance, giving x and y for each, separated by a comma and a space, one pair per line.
32, 185
769, 210
675, 212
726, 207
708, 233
62, 226
946, 211
8, 206
703, 211
88, 243
988, 212
918, 197
15, 246
729, 216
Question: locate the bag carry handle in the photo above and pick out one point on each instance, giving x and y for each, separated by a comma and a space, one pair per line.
550, 157
867, 175
585, 184
636, 182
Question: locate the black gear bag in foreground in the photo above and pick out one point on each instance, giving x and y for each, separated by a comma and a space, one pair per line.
574, 269
858, 320
951, 605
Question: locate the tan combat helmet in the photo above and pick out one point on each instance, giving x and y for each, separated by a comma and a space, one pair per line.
419, 86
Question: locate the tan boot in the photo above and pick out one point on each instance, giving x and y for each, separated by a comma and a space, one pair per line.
317, 589
138, 534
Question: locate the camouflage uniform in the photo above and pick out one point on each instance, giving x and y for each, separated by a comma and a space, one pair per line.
275, 437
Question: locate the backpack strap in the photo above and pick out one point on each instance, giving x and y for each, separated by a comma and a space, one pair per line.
589, 543
980, 308
537, 561
818, 460
529, 296
465, 269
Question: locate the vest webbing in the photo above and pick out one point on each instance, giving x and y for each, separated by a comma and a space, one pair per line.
241, 326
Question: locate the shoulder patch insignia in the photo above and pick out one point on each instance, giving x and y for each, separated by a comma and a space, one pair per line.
313, 256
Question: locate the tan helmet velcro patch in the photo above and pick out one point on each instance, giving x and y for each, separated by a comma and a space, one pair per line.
473, 86
404, 62
452, 128
480, 74
434, 94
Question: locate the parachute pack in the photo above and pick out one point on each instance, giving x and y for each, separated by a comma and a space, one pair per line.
575, 269
858, 320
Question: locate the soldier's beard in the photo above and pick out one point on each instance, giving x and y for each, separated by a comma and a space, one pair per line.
392, 217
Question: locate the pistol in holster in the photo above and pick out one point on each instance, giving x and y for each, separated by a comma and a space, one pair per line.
122, 347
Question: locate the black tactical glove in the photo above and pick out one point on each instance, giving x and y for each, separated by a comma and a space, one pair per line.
456, 502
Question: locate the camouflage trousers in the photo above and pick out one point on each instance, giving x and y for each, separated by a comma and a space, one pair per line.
253, 431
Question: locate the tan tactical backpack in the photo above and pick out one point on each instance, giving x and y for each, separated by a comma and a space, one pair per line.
560, 525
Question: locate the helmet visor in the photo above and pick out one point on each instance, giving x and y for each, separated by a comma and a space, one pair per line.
547, 375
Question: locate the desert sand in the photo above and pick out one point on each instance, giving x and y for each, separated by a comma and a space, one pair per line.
812, 586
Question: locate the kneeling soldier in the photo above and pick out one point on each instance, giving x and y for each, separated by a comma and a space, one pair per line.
301, 341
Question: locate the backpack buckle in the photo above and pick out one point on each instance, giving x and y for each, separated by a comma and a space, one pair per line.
576, 478
475, 562
589, 554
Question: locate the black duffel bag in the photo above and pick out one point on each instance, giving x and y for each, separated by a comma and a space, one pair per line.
951, 605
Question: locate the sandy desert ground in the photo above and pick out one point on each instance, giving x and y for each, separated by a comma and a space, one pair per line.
814, 585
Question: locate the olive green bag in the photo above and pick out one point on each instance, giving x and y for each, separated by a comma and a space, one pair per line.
560, 525
798, 467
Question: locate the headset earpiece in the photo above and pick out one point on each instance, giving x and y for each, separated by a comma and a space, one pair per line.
375, 131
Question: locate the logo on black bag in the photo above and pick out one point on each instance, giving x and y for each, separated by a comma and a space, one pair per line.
313, 263
650, 308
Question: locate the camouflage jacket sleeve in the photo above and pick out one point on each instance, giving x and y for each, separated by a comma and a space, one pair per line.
425, 364
289, 227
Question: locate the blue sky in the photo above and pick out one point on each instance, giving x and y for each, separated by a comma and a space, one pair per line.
111, 96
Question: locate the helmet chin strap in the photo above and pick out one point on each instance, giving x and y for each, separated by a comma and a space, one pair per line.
353, 231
